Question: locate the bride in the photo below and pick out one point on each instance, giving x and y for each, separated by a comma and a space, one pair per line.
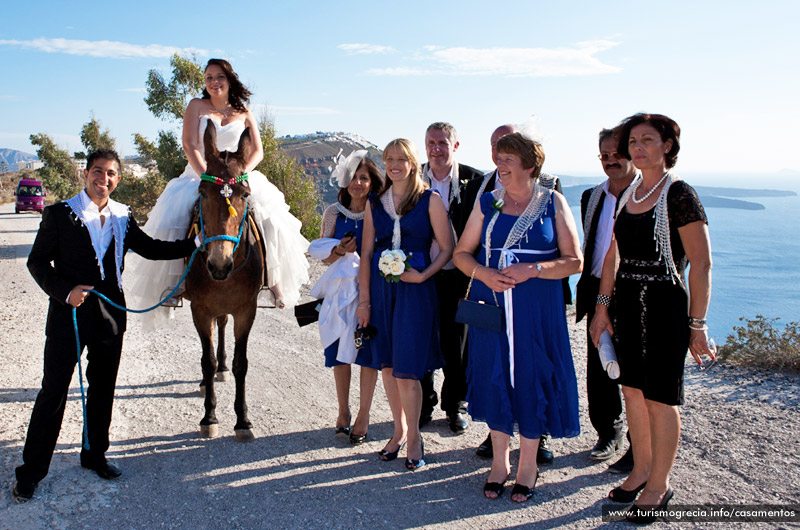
223, 103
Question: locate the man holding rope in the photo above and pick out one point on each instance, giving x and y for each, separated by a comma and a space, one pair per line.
81, 245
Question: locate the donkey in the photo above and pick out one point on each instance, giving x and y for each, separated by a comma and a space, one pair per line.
225, 280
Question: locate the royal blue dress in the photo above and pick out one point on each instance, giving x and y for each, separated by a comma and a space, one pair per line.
545, 396
406, 315
344, 225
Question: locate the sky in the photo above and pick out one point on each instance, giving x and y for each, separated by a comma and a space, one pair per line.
727, 72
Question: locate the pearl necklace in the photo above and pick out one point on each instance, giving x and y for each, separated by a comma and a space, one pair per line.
649, 193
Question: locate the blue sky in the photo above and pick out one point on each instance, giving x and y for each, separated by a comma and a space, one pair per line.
727, 72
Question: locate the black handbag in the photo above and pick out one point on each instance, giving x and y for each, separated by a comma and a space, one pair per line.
479, 314
307, 313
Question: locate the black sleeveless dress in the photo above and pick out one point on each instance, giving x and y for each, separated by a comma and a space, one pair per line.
650, 307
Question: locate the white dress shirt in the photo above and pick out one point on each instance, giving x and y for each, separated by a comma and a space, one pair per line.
443, 187
605, 228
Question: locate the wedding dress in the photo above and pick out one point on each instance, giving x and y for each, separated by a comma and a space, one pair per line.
169, 219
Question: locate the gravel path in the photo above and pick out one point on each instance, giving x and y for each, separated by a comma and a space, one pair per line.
739, 441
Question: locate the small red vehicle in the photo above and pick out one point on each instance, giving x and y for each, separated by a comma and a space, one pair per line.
30, 196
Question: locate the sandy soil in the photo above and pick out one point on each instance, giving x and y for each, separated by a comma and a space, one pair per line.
739, 442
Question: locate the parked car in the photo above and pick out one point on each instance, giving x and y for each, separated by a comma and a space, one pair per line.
30, 196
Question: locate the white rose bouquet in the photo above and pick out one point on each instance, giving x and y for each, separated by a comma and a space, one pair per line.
392, 264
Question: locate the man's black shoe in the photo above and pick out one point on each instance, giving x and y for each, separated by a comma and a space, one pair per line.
458, 422
485, 449
104, 469
624, 465
544, 455
23, 491
605, 448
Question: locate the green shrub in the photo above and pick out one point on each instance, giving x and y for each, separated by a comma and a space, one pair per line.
140, 194
760, 344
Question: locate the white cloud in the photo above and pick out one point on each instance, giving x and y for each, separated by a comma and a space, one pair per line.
576, 60
102, 48
276, 110
365, 49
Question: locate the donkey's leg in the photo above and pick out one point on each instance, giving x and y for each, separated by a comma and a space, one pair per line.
208, 362
242, 323
222, 367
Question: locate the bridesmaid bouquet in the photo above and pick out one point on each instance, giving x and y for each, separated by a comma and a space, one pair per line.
392, 264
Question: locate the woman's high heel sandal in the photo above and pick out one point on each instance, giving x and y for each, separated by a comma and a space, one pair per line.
647, 515
625, 496
357, 439
412, 464
386, 456
527, 492
494, 487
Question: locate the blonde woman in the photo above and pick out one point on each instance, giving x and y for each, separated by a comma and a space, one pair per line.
407, 217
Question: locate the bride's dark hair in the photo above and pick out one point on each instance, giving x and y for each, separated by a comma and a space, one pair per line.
238, 94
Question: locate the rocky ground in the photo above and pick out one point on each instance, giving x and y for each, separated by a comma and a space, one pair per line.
739, 442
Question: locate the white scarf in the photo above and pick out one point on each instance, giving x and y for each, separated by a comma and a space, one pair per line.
594, 200
455, 187
119, 217
388, 204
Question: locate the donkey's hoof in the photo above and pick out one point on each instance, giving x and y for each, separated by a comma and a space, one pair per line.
223, 376
244, 435
209, 431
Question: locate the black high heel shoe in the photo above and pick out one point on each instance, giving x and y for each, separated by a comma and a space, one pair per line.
358, 439
386, 456
625, 496
519, 489
342, 431
495, 487
647, 515
413, 464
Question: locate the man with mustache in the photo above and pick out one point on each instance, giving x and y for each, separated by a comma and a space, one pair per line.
598, 208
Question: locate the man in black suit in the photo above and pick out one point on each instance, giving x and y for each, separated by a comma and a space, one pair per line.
598, 209
489, 182
445, 175
81, 245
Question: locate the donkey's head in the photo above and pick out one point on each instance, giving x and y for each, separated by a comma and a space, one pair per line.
220, 218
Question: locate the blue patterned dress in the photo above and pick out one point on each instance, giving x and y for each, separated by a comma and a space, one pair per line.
544, 398
406, 315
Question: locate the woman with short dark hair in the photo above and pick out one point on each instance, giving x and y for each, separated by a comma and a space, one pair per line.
660, 228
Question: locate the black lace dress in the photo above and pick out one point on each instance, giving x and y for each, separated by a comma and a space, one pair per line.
650, 310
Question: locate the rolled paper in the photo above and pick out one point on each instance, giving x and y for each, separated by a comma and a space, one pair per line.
608, 357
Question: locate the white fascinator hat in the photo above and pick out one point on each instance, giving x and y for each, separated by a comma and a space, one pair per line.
346, 167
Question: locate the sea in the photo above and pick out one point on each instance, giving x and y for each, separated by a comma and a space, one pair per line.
756, 256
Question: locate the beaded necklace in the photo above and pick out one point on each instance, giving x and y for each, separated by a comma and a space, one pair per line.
638, 182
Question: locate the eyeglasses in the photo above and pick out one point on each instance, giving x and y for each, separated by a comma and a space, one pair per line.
605, 156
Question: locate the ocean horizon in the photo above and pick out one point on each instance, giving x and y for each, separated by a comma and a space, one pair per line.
756, 257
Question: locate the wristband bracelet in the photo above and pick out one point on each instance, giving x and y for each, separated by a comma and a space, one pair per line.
603, 299
698, 328
366, 303
697, 321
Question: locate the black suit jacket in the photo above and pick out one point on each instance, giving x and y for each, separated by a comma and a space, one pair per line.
586, 292
459, 211
62, 257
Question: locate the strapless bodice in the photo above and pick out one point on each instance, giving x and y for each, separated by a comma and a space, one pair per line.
227, 135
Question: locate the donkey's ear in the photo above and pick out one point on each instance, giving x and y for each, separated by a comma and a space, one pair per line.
210, 141
245, 144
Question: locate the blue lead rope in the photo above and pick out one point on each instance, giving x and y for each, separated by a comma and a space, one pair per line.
235, 240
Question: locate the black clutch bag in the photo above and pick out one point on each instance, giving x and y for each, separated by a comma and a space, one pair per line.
307, 313
480, 314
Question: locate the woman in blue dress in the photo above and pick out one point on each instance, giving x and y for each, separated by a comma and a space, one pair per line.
357, 176
523, 375
405, 216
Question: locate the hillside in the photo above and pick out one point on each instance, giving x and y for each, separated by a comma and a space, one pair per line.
12, 157
315, 153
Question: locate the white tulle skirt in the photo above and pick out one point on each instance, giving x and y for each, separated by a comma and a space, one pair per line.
147, 282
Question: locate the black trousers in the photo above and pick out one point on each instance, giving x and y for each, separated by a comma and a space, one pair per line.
60, 358
602, 393
451, 285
